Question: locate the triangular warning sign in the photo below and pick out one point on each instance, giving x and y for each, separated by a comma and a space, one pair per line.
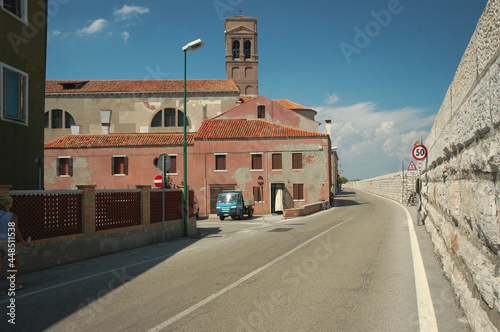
412, 166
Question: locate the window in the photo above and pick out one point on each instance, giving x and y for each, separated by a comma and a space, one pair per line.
257, 194
247, 49
220, 162
297, 161
236, 49
58, 120
167, 118
257, 161
173, 165
298, 192
276, 161
14, 95
15, 7
68, 120
261, 112
64, 166
119, 165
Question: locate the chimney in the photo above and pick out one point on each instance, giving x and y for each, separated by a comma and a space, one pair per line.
328, 127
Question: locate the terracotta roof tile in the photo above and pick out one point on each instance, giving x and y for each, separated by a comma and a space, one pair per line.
118, 140
241, 129
290, 104
83, 86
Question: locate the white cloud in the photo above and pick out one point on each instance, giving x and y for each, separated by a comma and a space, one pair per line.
126, 12
371, 141
125, 36
332, 99
95, 27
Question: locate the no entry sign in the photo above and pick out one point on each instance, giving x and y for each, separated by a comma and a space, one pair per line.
158, 181
260, 180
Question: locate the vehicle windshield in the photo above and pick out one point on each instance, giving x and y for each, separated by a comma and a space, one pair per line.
227, 198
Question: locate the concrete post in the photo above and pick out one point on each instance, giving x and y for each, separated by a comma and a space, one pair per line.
5, 189
145, 204
88, 209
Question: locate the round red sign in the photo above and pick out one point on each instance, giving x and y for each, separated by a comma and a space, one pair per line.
260, 180
419, 152
158, 182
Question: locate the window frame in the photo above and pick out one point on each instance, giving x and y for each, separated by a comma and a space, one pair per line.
273, 162
173, 164
114, 158
260, 194
216, 157
298, 190
255, 161
261, 112
61, 160
23, 118
297, 161
23, 17
236, 49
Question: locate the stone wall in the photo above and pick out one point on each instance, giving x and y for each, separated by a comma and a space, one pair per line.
391, 186
460, 191
460, 182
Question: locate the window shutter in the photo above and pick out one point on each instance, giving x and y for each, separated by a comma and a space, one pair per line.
297, 161
58, 166
277, 161
173, 165
125, 166
113, 165
70, 166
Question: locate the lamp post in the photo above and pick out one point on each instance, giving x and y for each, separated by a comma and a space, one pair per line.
192, 46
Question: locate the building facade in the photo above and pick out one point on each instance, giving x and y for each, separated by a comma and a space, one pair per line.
133, 106
282, 112
223, 154
23, 49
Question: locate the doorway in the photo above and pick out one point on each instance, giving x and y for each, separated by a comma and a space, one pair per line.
275, 188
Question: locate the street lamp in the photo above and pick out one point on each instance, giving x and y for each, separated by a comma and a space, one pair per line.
192, 46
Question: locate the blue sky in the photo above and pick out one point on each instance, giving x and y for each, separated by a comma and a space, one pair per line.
378, 68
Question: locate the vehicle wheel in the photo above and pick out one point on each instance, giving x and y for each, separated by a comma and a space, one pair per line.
221, 218
250, 213
241, 216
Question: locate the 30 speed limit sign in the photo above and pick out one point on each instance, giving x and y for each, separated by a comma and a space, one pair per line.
419, 152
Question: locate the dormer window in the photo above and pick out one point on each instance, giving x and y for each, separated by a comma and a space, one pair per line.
236, 49
73, 85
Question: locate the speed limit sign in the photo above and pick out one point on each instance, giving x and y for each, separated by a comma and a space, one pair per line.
419, 152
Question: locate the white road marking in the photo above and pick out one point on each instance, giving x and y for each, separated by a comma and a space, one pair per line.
212, 297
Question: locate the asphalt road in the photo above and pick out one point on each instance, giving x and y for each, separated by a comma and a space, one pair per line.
350, 268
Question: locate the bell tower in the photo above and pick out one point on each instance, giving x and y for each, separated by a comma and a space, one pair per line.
242, 59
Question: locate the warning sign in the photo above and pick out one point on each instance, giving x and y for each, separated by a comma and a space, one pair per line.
412, 169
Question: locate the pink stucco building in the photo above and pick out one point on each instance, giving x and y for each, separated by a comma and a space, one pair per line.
223, 154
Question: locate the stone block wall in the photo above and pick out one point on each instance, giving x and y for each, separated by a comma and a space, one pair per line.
460, 182
392, 186
460, 187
